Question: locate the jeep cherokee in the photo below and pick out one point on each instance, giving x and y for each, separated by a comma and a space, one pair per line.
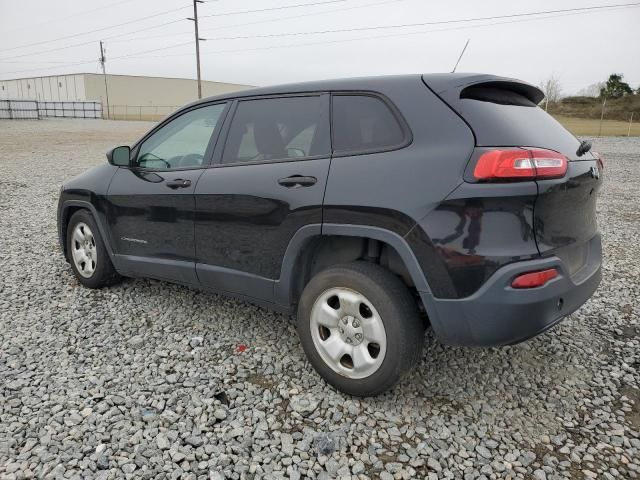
371, 208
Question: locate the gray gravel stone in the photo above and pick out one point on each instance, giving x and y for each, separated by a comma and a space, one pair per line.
483, 451
116, 383
304, 405
163, 442
539, 474
358, 468
527, 458
102, 462
325, 443
433, 464
286, 443
220, 413
194, 441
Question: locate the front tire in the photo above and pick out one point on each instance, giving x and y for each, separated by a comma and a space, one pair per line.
87, 252
360, 327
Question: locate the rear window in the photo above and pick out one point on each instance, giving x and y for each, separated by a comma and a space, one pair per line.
505, 117
364, 123
278, 129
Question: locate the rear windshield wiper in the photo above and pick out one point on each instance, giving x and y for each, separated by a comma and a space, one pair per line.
584, 147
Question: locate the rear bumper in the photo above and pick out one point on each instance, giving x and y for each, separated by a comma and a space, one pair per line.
498, 314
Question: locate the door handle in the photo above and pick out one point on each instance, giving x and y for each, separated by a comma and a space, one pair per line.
297, 181
178, 183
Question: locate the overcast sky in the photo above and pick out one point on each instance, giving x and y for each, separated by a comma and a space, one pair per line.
578, 48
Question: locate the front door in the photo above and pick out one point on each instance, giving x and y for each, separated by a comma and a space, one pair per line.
268, 183
151, 204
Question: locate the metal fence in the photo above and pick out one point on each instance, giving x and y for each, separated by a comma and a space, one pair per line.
35, 109
70, 109
139, 112
19, 109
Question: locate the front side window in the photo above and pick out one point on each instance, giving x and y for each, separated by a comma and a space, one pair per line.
278, 129
363, 123
182, 142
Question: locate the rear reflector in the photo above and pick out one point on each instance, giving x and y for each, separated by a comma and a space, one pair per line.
534, 279
520, 164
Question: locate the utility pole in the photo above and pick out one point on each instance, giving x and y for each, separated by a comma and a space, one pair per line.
461, 54
103, 60
195, 23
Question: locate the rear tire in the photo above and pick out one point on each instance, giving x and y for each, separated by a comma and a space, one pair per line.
360, 327
87, 252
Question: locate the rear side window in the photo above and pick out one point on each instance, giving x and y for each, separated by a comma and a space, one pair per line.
363, 123
503, 116
278, 129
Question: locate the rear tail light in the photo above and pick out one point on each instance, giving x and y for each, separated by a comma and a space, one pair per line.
534, 279
520, 164
600, 160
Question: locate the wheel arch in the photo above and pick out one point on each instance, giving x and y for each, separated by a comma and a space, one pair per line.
67, 210
298, 262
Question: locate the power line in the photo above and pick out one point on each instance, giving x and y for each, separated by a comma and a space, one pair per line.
391, 35
65, 47
38, 61
50, 68
382, 27
424, 24
153, 50
79, 14
269, 9
139, 29
97, 29
311, 14
86, 62
269, 20
569, 12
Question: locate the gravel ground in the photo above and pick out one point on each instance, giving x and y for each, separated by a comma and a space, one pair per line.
151, 380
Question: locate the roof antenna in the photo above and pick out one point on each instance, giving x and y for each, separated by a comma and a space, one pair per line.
460, 57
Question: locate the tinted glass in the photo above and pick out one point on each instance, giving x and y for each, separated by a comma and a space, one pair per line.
277, 129
501, 117
182, 142
362, 123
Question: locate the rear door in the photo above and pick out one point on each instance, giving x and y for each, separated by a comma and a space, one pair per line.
267, 182
151, 204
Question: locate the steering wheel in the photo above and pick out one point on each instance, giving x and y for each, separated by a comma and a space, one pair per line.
191, 160
153, 157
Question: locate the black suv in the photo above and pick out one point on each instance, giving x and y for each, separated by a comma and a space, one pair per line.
373, 208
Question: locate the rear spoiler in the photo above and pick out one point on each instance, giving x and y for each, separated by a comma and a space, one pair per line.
451, 87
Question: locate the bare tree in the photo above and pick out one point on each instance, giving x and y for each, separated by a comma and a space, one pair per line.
552, 90
592, 90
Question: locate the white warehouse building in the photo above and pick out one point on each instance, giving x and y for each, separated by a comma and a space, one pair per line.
123, 89
129, 96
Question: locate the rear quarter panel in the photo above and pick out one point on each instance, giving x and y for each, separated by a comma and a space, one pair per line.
394, 189
565, 214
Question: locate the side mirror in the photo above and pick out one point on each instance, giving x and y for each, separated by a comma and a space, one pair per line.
119, 156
